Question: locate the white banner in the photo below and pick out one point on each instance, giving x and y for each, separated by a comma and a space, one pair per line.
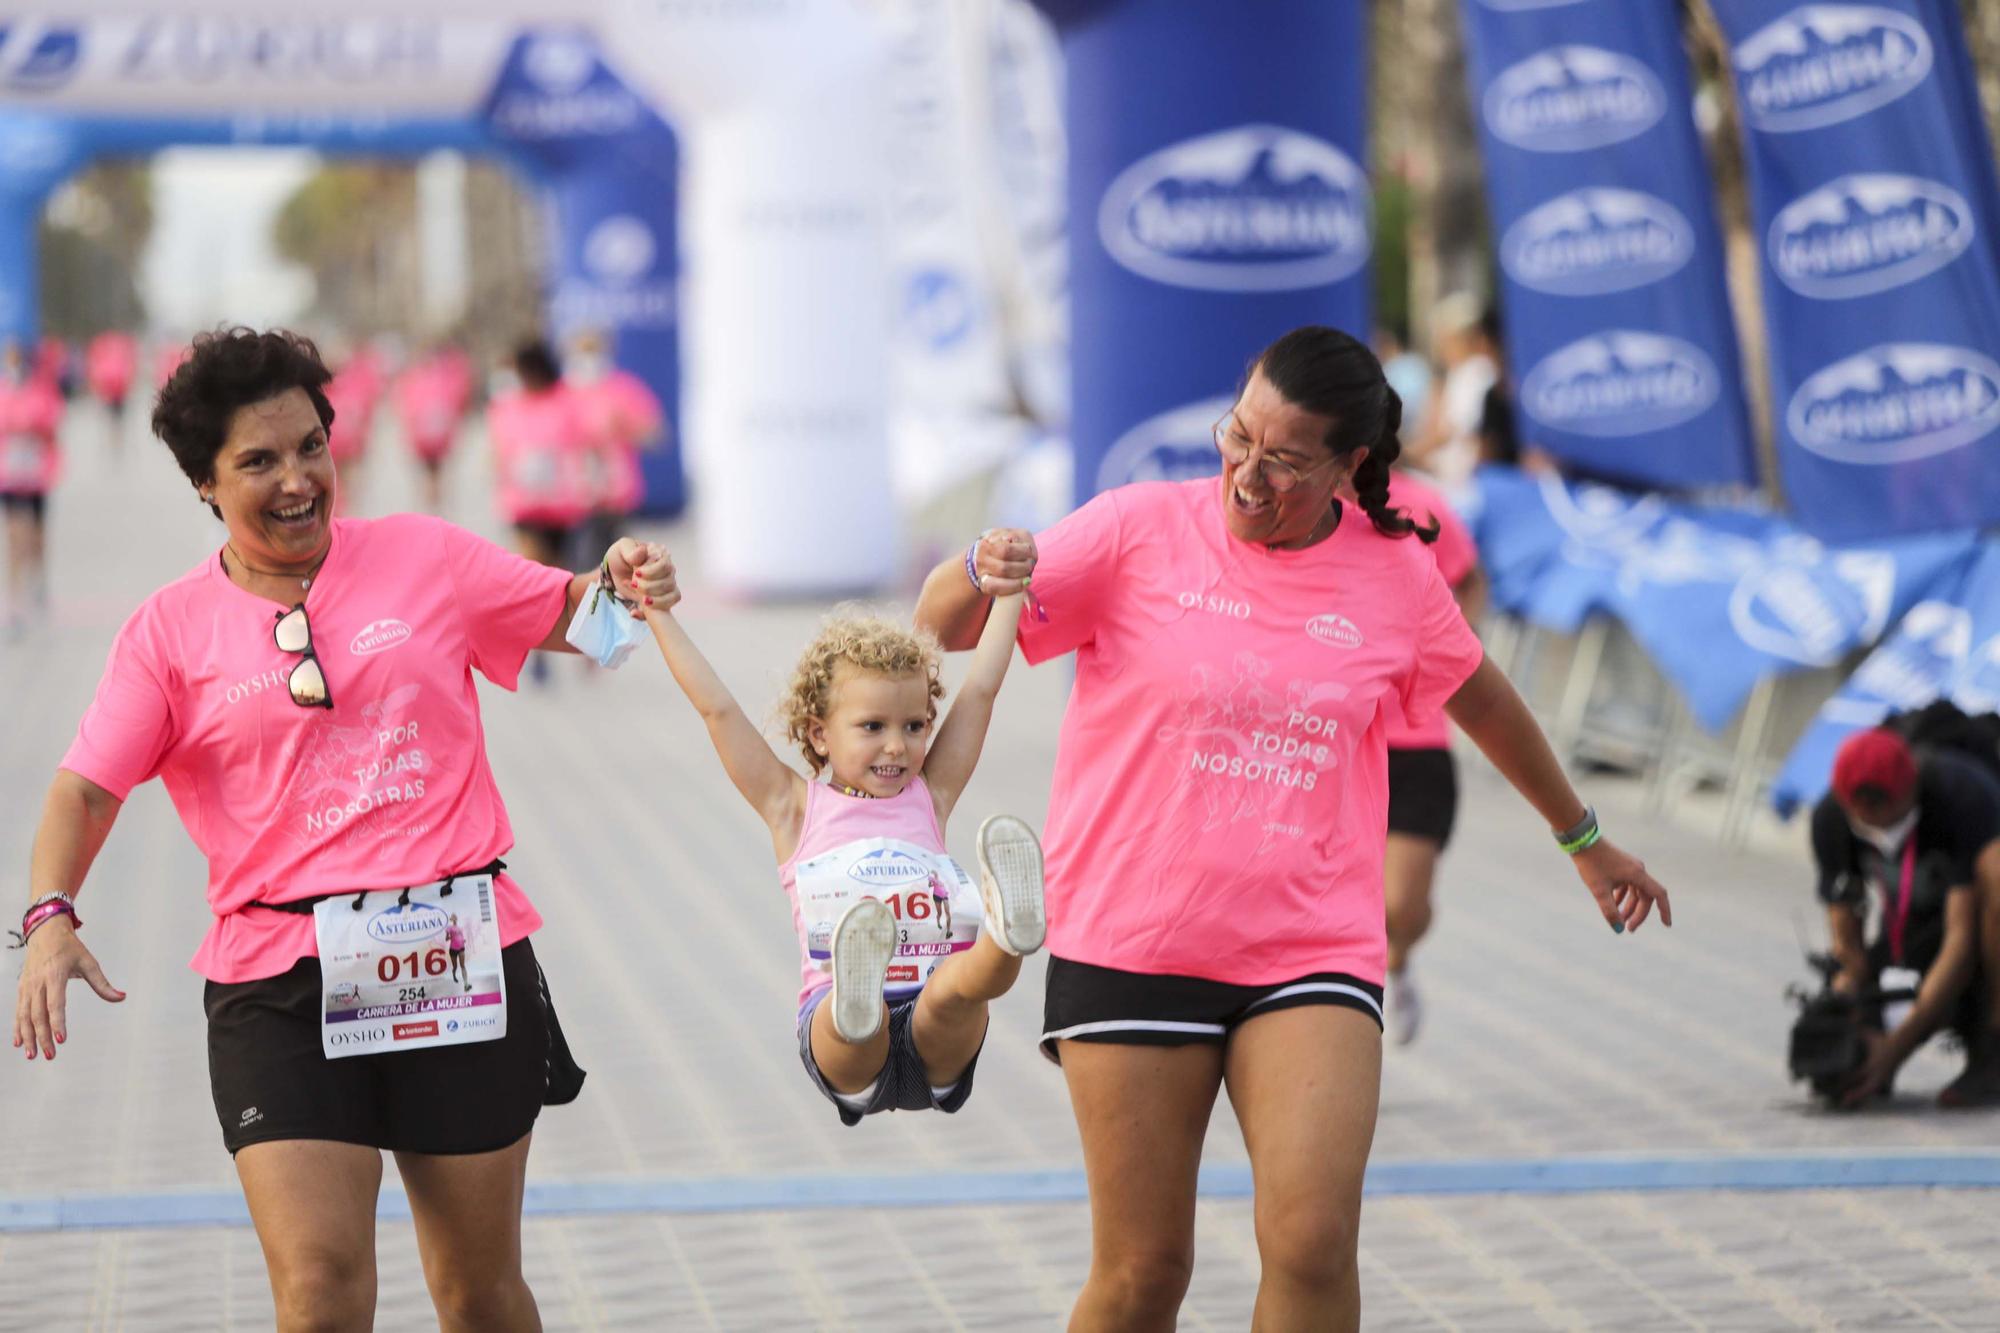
221, 59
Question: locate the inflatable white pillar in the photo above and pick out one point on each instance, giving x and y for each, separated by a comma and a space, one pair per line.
782, 113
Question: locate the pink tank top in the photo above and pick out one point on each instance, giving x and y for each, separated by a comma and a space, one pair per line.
852, 847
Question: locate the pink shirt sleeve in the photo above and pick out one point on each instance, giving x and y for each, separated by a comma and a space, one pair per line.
1075, 562
510, 604
1447, 652
129, 727
1456, 553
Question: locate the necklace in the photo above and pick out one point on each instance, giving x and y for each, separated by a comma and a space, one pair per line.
305, 579
846, 790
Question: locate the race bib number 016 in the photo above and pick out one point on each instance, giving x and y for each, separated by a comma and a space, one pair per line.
404, 975
933, 900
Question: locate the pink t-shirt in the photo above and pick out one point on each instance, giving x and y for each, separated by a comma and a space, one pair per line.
430, 404
1456, 556
622, 412
388, 788
542, 445
109, 364
30, 414
1220, 798
353, 394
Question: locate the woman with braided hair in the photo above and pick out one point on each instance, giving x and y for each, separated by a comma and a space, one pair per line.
1218, 812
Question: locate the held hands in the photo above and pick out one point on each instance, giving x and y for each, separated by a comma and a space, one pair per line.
644, 572
1625, 893
1003, 559
54, 955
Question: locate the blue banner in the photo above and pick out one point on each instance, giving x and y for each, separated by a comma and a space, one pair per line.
1617, 320
1217, 198
1719, 597
610, 167
1874, 195
1948, 647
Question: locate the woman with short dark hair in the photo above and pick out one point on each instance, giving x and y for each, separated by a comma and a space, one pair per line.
306, 694
1218, 811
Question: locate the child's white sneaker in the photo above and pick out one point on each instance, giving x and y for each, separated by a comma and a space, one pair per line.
864, 940
1010, 885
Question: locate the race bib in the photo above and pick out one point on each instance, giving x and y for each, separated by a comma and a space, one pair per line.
403, 975
21, 459
539, 472
934, 901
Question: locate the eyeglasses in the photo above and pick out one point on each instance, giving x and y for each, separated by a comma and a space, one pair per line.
307, 683
1279, 475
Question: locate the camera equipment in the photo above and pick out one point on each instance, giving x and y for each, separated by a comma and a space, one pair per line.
1830, 1038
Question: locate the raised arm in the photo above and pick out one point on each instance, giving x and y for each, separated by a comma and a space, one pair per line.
1488, 710
77, 816
955, 752
774, 789
952, 608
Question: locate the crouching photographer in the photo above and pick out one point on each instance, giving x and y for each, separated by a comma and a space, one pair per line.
1920, 836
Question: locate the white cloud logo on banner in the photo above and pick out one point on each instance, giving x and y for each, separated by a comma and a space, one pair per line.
559, 64
1895, 403
1864, 234
1914, 667
1569, 98
620, 249
1259, 208
1621, 382
1822, 64
38, 57
1594, 241
1173, 446
1808, 608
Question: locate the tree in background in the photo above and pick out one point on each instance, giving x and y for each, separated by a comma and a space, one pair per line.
353, 226
92, 235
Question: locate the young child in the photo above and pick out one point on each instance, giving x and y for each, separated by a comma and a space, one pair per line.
898, 963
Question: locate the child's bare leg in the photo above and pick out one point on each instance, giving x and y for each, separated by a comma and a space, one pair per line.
847, 1066
950, 1018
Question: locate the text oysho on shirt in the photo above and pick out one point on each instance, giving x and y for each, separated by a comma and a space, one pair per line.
1220, 797
388, 788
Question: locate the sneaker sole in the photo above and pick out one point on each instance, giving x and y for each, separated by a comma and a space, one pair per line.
1010, 885
864, 940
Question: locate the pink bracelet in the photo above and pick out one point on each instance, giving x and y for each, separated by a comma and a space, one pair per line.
43, 912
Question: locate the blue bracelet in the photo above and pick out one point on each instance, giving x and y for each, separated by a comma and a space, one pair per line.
971, 569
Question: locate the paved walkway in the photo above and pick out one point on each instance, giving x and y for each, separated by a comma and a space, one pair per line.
669, 949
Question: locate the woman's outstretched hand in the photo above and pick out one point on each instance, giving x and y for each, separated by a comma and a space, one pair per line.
54, 955
1625, 893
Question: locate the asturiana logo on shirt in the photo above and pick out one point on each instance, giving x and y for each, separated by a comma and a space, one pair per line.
378, 635
1823, 64
887, 868
1338, 631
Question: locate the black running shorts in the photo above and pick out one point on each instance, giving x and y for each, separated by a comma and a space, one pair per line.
1423, 794
271, 1080
1085, 1002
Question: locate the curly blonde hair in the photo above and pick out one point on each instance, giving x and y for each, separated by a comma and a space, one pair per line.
866, 643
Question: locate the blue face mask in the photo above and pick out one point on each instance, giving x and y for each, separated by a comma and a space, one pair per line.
603, 628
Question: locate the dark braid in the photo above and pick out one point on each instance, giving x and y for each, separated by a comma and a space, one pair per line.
1330, 374
1371, 478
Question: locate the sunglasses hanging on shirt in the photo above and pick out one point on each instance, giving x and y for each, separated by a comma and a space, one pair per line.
307, 683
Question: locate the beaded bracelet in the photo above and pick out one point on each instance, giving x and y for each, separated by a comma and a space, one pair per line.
972, 567
41, 911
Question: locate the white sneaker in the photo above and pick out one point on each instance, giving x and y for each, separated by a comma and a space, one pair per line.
1406, 1007
864, 940
1010, 885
